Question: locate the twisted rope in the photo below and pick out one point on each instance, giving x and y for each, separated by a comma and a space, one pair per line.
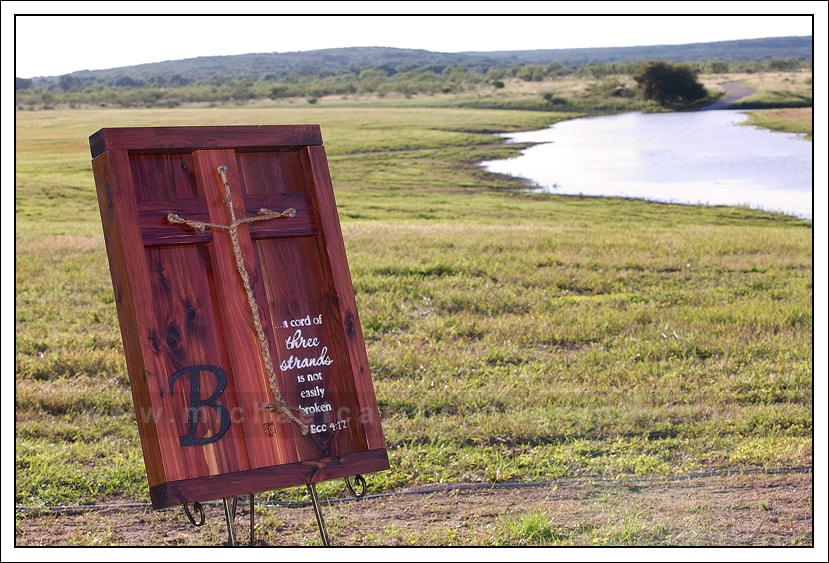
278, 404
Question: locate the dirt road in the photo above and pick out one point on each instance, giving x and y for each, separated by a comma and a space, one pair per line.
726, 510
733, 91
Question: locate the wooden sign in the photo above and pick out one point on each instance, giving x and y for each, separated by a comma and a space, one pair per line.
238, 317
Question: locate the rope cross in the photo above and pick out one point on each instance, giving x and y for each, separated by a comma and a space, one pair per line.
278, 404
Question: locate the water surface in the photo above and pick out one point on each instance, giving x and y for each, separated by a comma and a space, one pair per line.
699, 158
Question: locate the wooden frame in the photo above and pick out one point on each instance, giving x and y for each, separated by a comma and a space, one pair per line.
198, 338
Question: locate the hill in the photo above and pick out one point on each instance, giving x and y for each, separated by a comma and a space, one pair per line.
741, 50
330, 62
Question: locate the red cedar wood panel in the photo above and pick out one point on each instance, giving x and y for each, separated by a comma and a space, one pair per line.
181, 303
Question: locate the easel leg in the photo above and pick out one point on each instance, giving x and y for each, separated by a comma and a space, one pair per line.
230, 504
230, 518
312, 490
252, 517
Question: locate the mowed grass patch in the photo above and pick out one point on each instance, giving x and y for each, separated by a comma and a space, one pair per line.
527, 344
511, 336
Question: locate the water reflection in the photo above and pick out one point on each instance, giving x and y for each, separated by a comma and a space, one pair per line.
702, 158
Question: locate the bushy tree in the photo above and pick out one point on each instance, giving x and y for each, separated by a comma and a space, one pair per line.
668, 83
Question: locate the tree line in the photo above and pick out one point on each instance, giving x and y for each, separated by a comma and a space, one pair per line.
176, 89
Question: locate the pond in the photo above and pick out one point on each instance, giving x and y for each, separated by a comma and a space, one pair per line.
696, 158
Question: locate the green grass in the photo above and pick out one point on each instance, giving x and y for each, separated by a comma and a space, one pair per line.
779, 89
795, 120
511, 336
530, 528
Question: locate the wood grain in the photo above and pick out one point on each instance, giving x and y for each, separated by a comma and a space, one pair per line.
196, 362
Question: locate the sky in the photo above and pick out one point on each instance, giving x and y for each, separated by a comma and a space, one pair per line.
54, 38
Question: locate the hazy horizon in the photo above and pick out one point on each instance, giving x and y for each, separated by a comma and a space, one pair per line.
103, 42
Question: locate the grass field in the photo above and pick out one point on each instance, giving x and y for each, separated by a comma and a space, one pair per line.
511, 336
